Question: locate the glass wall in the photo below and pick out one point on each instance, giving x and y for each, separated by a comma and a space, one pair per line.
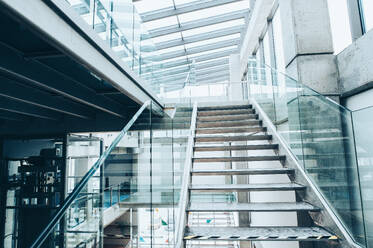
367, 9
278, 41
340, 24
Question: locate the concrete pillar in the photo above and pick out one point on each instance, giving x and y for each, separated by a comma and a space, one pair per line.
235, 89
308, 44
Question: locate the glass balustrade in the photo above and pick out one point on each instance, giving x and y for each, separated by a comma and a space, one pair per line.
130, 194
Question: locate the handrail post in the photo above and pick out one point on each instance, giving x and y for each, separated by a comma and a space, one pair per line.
184, 194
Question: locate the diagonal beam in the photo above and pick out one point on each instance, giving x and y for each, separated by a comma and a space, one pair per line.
19, 107
235, 15
197, 59
224, 69
28, 95
182, 9
34, 73
199, 49
11, 116
200, 37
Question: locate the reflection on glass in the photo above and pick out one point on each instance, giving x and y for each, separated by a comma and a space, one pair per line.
340, 24
367, 6
364, 148
320, 134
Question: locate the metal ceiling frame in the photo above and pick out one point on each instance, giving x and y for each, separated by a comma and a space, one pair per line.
235, 15
182, 9
200, 37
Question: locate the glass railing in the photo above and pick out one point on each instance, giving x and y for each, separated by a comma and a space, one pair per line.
332, 144
129, 194
120, 26
320, 133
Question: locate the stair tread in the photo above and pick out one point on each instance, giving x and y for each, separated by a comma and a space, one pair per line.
225, 112
230, 130
246, 106
244, 171
247, 158
258, 233
232, 138
247, 187
236, 147
226, 117
257, 207
251, 122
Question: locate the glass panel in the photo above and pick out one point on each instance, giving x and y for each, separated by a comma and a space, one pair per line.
340, 24
278, 41
320, 134
367, 6
364, 148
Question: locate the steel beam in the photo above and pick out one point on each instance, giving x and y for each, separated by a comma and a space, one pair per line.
198, 59
235, 15
200, 37
182, 9
19, 107
35, 73
11, 116
199, 49
28, 95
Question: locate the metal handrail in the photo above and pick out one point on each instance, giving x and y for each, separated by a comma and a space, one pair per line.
79, 187
184, 198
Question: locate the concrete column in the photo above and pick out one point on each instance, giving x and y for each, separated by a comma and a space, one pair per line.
235, 89
308, 44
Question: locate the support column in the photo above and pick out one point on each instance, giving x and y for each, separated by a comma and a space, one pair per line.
308, 44
235, 89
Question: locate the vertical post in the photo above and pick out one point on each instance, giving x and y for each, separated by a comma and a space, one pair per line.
111, 196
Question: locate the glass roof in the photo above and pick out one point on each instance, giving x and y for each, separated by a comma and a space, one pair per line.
160, 14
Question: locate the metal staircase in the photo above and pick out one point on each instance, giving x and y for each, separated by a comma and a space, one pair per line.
233, 153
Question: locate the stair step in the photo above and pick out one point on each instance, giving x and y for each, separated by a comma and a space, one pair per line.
225, 112
238, 159
258, 234
230, 130
226, 118
225, 172
232, 138
252, 207
235, 148
248, 187
229, 123
227, 107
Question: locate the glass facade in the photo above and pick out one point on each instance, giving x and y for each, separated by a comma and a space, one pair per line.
340, 24
367, 7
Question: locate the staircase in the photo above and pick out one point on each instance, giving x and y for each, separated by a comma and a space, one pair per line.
233, 154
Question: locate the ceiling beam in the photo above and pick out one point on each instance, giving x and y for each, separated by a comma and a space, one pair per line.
182, 9
235, 15
11, 116
19, 107
200, 37
200, 58
200, 75
35, 73
32, 96
199, 49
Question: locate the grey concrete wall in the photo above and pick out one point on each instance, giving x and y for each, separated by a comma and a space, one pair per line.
355, 66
